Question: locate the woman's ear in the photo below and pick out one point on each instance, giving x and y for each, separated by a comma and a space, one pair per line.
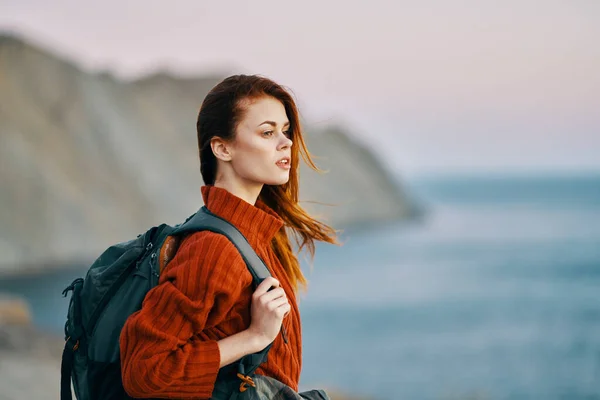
220, 149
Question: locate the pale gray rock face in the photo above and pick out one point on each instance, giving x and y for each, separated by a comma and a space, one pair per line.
87, 160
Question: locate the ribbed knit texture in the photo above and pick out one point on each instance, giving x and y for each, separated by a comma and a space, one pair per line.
169, 348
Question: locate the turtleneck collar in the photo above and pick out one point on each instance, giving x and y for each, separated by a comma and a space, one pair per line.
258, 223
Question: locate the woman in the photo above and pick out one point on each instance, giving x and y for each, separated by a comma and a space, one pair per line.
205, 313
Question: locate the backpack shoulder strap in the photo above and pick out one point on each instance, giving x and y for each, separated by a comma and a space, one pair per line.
204, 220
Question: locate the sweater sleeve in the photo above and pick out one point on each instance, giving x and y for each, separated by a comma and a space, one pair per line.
161, 354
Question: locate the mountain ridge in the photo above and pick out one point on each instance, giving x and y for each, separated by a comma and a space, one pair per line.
88, 159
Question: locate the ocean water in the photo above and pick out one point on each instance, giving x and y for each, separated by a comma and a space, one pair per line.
495, 294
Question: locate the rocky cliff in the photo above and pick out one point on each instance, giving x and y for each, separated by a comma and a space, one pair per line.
87, 160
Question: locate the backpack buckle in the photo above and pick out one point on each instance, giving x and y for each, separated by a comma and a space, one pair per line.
246, 380
75, 346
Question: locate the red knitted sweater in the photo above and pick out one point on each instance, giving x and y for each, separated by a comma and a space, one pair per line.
169, 348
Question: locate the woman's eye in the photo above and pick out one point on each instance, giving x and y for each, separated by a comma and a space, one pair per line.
267, 133
287, 134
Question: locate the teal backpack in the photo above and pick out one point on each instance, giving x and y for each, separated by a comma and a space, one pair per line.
113, 289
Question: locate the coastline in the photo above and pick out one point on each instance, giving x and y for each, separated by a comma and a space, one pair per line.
30, 357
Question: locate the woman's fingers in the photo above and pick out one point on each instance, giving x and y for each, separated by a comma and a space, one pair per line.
265, 285
272, 295
283, 309
275, 304
269, 306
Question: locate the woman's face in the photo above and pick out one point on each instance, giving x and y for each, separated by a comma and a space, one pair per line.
261, 150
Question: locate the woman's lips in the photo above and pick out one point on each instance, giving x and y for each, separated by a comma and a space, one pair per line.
284, 163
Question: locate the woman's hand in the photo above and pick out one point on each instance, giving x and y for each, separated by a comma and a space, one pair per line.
269, 307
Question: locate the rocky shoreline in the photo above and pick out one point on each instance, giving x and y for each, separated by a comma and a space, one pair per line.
30, 358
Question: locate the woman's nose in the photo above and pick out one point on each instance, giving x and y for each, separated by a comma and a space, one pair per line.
285, 141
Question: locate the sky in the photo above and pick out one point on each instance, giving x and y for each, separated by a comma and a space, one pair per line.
432, 86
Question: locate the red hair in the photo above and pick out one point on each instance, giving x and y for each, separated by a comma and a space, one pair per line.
219, 115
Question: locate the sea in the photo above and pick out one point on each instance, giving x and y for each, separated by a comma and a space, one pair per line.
494, 293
